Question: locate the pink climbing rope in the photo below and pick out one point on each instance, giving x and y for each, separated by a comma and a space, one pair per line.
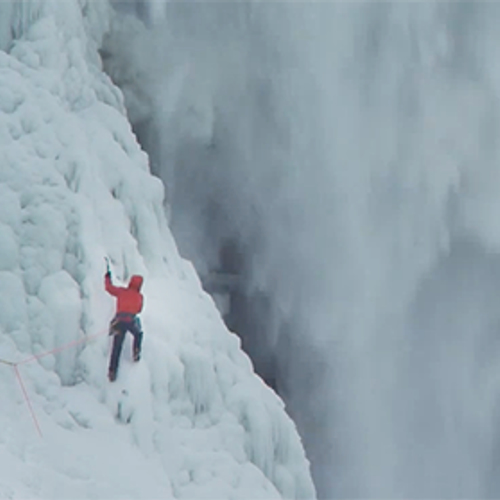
28, 402
60, 348
38, 356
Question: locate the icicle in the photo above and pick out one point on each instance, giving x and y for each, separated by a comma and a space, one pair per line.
24, 14
5, 28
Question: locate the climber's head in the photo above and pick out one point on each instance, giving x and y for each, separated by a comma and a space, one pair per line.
135, 282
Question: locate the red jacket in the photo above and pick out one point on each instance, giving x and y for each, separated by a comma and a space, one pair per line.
130, 299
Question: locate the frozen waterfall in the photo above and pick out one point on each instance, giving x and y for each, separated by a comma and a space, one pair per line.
342, 161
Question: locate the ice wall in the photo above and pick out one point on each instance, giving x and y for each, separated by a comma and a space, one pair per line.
349, 153
191, 419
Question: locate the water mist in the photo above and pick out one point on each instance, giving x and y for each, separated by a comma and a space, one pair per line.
342, 160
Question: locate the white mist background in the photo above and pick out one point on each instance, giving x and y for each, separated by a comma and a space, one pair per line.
351, 152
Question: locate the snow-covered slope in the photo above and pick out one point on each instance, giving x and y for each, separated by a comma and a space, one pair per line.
191, 420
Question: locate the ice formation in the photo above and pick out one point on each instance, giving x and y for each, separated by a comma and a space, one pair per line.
191, 419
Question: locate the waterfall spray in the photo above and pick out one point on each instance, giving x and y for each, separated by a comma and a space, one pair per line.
345, 157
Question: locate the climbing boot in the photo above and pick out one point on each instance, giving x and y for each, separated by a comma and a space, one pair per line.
137, 355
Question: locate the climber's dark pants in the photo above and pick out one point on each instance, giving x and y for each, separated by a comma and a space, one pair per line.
118, 328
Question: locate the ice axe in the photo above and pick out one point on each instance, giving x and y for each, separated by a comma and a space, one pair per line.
108, 267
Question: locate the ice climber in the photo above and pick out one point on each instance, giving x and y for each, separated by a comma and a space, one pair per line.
128, 305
